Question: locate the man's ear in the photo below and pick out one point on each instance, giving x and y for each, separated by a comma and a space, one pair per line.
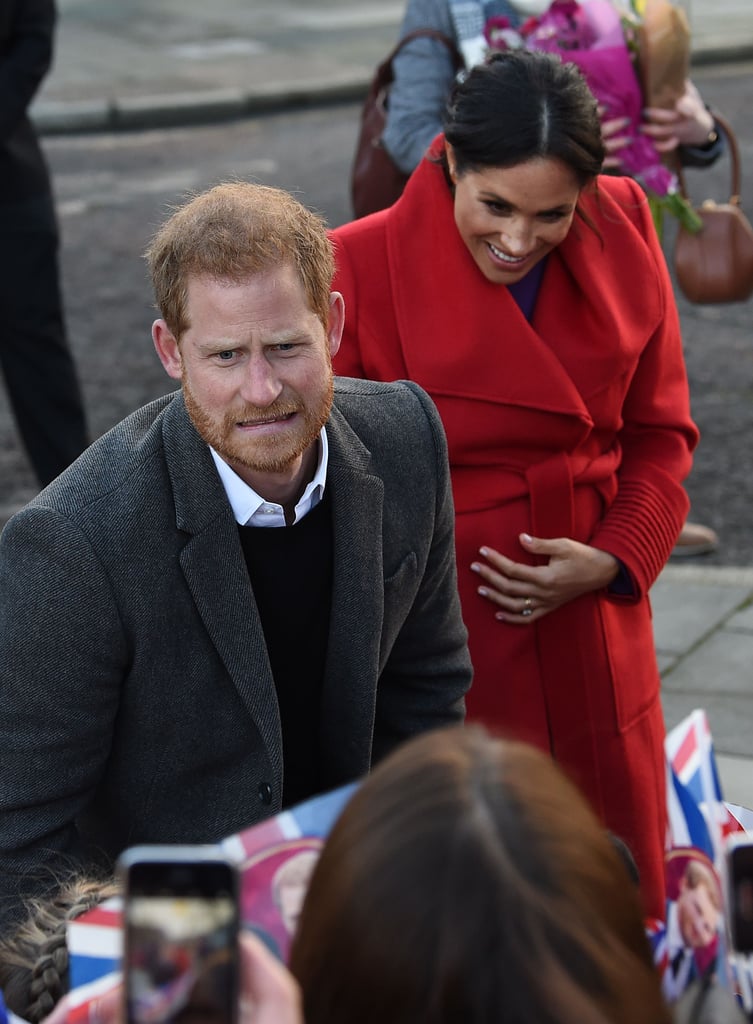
336, 322
167, 349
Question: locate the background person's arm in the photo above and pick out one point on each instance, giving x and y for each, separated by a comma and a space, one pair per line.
269, 993
689, 129
424, 75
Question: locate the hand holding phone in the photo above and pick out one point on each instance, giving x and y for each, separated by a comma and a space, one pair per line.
269, 994
180, 921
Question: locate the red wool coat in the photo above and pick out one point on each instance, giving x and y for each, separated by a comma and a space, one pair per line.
575, 425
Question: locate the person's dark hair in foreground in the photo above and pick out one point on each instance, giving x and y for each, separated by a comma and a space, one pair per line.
468, 880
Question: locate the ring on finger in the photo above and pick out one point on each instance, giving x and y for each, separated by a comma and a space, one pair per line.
527, 607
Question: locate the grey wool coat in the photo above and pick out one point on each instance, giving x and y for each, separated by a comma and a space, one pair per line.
136, 698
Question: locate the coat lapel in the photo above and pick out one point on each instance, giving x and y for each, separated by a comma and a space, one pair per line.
598, 312
212, 563
462, 335
465, 337
349, 692
215, 572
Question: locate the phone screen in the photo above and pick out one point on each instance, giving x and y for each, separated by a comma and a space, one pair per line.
181, 956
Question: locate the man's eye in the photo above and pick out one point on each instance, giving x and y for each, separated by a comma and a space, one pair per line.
226, 356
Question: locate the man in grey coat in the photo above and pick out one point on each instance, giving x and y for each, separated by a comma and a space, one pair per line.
172, 669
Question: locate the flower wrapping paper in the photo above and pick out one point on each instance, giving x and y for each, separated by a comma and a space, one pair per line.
591, 36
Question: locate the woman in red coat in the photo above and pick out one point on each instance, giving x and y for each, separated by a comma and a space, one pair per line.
530, 298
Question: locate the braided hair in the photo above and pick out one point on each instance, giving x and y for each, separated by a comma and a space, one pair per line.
34, 974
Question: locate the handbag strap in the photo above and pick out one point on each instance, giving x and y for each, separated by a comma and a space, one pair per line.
385, 74
725, 127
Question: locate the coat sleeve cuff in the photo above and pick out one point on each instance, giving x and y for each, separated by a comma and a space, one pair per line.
641, 528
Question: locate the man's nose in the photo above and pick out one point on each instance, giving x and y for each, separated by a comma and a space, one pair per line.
261, 386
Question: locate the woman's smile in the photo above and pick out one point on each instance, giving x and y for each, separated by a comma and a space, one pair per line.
506, 257
510, 218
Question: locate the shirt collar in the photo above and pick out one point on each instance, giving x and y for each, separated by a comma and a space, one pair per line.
246, 503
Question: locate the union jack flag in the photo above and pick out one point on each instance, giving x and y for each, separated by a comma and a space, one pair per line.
697, 813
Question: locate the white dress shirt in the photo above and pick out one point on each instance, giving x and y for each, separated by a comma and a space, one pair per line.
250, 509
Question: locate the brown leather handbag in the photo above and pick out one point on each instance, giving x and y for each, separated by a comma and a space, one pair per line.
715, 264
375, 180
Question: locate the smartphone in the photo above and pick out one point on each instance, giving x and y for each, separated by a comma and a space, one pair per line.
740, 891
180, 931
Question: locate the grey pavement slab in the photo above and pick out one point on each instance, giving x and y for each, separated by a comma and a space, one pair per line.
742, 620
721, 665
720, 25
703, 623
228, 58
689, 603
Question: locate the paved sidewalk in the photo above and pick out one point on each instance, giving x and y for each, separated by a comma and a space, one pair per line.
146, 63
141, 63
703, 623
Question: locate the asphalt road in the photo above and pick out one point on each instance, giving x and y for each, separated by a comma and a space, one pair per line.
114, 189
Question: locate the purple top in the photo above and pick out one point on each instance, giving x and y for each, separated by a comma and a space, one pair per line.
526, 289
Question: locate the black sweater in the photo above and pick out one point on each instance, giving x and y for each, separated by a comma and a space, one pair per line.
290, 569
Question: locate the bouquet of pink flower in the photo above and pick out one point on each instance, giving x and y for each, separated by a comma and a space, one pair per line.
603, 44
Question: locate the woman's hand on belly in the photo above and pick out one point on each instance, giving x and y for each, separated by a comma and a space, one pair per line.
525, 593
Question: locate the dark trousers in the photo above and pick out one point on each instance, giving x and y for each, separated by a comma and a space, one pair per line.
36, 362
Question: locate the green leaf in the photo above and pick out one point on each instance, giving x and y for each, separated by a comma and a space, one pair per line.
676, 205
686, 215
656, 205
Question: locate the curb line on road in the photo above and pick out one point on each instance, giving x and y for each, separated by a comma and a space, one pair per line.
174, 110
58, 117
